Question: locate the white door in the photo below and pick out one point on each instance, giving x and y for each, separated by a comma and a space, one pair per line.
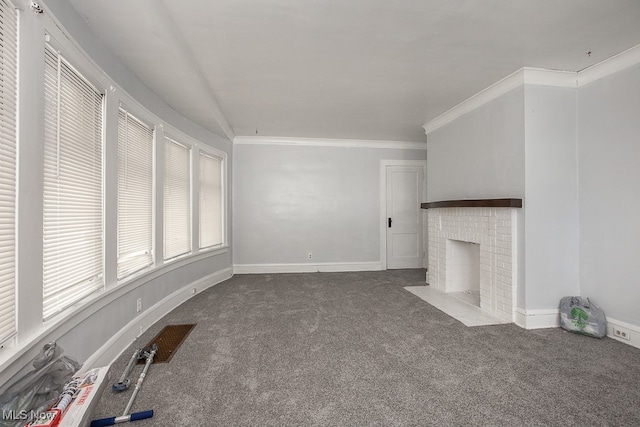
404, 217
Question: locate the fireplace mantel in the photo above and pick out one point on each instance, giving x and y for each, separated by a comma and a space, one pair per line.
477, 203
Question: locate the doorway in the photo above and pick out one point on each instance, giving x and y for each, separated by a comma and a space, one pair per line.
402, 191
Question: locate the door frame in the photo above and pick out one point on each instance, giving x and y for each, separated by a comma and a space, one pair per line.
383, 200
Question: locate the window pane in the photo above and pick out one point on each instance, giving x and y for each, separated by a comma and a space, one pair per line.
210, 201
135, 195
177, 200
72, 186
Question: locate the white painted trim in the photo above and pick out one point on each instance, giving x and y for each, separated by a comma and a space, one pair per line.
533, 76
64, 322
634, 332
383, 200
383, 214
550, 78
325, 142
119, 342
609, 66
538, 77
494, 91
306, 268
537, 319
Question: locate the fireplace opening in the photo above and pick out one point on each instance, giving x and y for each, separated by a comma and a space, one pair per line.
463, 271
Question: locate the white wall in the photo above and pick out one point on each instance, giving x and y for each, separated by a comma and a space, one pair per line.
290, 200
88, 325
551, 197
521, 144
609, 176
480, 154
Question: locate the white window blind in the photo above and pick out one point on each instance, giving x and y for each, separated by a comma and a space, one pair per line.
135, 195
8, 63
177, 199
72, 186
210, 200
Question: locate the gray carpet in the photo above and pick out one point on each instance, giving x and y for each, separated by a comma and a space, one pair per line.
355, 349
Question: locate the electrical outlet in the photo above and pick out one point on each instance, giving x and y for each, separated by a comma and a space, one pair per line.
139, 305
621, 333
310, 256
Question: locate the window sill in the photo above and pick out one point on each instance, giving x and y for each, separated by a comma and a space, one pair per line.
60, 324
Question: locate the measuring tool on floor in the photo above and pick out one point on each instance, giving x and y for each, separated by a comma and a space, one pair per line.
126, 415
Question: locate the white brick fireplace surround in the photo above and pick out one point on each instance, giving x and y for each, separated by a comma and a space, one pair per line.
492, 224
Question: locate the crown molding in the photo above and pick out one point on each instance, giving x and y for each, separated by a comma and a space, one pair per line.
325, 142
551, 78
526, 75
609, 66
538, 77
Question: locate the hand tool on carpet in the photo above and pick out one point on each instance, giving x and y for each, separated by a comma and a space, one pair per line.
124, 381
126, 416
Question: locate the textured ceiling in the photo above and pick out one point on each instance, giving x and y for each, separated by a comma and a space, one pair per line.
357, 69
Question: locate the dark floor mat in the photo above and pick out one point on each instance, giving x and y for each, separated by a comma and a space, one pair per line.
169, 341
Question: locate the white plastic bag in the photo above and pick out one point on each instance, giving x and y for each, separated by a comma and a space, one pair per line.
39, 388
580, 315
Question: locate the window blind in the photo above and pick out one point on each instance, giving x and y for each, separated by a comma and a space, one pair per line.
72, 186
8, 89
135, 194
210, 200
177, 199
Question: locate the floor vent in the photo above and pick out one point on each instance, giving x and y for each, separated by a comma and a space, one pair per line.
169, 341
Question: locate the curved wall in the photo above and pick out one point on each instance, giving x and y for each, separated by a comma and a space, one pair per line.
97, 329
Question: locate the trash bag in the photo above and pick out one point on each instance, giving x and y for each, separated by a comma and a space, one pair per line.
580, 315
38, 389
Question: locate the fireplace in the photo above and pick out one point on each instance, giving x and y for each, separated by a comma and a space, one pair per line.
475, 241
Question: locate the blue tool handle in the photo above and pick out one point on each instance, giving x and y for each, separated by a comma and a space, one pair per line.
141, 415
122, 419
103, 422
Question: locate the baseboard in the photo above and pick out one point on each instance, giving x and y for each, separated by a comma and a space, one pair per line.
112, 349
631, 331
306, 268
537, 319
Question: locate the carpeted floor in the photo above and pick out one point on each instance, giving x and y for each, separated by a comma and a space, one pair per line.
356, 349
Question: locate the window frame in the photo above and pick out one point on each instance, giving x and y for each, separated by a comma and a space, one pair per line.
88, 78
224, 191
143, 120
170, 137
8, 288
